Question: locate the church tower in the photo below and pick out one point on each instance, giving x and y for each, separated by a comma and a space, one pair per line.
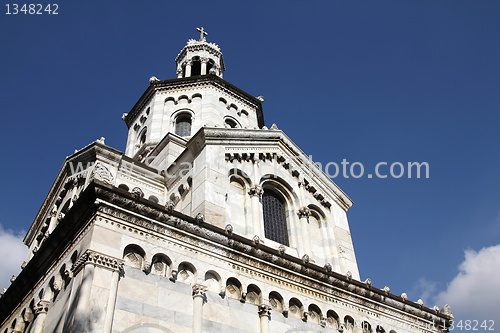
209, 222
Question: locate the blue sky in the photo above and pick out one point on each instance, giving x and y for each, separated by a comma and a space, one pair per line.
368, 81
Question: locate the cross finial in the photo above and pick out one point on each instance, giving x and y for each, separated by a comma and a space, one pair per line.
203, 33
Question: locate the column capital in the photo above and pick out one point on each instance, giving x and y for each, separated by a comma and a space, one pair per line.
204, 60
304, 212
98, 259
199, 290
256, 190
264, 310
41, 307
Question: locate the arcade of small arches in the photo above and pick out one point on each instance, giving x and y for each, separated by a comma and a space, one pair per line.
246, 291
47, 295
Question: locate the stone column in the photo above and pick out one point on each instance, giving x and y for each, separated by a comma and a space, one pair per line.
74, 184
88, 261
204, 62
113, 291
179, 72
255, 193
20, 325
304, 214
53, 220
198, 298
189, 63
82, 313
40, 311
264, 315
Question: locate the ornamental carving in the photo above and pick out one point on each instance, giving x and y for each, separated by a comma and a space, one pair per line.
137, 192
101, 173
304, 212
98, 259
264, 310
256, 190
169, 206
41, 307
305, 258
200, 218
199, 290
229, 229
146, 267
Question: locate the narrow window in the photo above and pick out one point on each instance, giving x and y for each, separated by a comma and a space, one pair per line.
196, 67
275, 228
183, 125
142, 139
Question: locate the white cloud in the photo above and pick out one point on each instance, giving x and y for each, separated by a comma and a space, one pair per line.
474, 294
425, 288
13, 253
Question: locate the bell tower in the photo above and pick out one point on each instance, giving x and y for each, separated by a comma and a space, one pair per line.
199, 57
173, 110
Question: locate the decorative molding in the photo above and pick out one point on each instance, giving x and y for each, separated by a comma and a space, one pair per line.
98, 259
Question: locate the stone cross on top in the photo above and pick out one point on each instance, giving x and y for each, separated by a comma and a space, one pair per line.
203, 33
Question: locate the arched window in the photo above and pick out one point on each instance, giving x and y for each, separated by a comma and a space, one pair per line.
229, 123
274, 208
183, 125
210, 65
196, 66
134, 256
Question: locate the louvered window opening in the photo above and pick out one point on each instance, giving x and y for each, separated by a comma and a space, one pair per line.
275, 227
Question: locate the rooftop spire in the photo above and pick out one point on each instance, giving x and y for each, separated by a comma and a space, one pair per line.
203, 33
200, 57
